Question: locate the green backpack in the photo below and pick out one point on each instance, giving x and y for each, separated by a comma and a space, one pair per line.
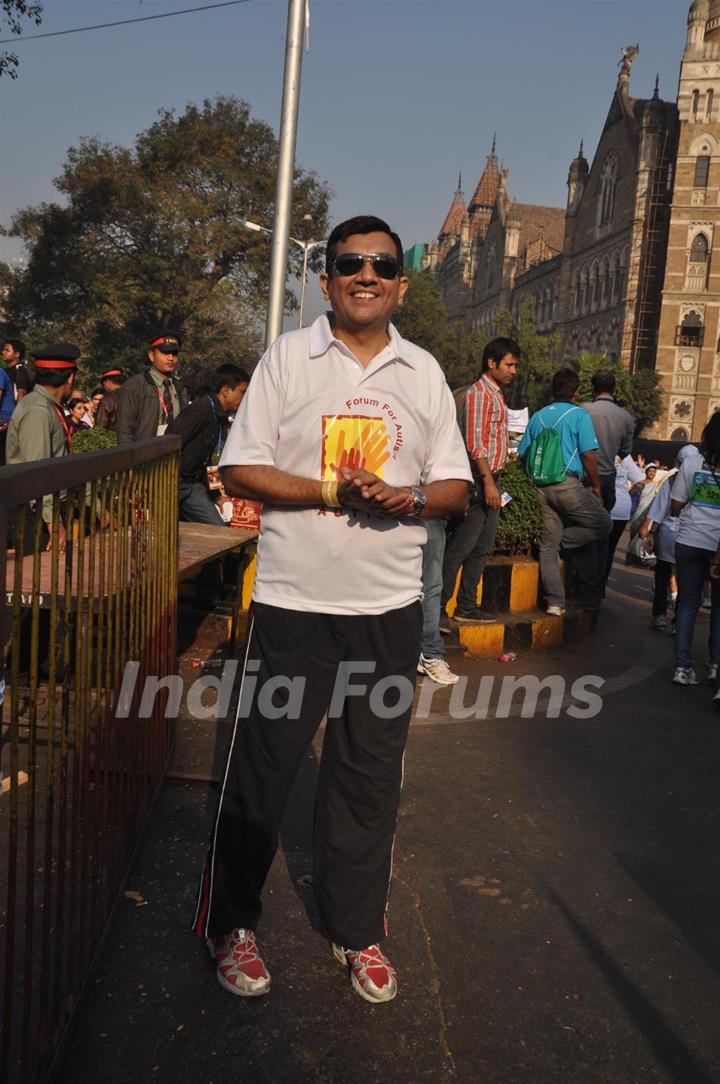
544, 462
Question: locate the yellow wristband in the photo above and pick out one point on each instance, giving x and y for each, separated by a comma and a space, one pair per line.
330, 494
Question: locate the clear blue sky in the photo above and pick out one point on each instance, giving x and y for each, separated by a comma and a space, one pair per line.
397, 95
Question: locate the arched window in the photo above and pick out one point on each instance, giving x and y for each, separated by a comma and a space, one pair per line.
575, 293
604, 282
699, 249
709, 105
548, 306
622, 275
608, 184
614, 275
594, 287
680, 434
695, 105
539, 309
702, 171
584, 297
691, 331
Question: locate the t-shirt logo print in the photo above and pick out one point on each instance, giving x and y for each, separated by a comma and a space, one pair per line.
354, 441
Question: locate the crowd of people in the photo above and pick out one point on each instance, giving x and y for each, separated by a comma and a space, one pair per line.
579, 457
39, 419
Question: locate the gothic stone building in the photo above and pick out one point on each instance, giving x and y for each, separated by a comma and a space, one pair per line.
628, 267
688, 355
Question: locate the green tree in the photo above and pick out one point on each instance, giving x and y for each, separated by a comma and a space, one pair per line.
12, 14
153, 236
422, 318
638, 392
531, 388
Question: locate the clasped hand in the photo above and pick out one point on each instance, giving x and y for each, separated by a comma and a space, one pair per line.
362, 490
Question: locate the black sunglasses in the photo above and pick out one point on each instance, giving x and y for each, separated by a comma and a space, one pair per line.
351, 263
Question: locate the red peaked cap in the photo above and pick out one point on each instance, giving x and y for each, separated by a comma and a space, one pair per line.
57, 356
113, 374
168, 338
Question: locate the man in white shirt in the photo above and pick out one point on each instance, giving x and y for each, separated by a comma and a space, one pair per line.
348, 436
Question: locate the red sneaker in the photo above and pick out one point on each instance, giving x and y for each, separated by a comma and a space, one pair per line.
240, 966
371, 973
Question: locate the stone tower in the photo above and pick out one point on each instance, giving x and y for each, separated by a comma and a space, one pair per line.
688, 356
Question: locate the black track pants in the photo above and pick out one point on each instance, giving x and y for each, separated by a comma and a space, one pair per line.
361, 672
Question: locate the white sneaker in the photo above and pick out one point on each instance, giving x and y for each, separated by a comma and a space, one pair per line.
659, 622
555, 611
685, 676
438, 670
707, 603
711, 673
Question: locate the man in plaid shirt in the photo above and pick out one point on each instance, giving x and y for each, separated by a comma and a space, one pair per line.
485, 431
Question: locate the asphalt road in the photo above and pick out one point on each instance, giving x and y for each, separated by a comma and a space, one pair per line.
554, 915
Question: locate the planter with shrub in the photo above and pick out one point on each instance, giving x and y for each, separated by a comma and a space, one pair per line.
521, 520
91, 440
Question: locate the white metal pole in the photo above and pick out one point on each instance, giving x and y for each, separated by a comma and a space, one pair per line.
286, 166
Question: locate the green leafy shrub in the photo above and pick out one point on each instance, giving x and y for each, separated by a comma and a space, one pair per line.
521, 520
91, 440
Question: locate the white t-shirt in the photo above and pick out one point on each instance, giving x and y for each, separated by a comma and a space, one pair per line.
700, 518
311, 406
626, 471
660, 512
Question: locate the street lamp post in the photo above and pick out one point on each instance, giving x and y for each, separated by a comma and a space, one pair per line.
297, 15
306, 246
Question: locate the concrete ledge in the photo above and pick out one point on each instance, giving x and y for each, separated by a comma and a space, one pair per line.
529, 631
509, 585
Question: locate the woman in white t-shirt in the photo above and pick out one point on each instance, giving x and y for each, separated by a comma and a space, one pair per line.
696, 499
627, 474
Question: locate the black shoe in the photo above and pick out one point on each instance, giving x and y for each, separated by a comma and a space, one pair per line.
476, 616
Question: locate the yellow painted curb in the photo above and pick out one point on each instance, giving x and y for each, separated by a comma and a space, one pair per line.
482, 639
524, 587
548, 632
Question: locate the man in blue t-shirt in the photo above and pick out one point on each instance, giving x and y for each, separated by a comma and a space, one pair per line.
7, 405
573, 513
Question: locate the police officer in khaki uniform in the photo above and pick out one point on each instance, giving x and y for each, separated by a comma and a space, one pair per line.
38, 427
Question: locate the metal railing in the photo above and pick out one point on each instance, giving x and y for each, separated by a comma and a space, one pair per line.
78, 775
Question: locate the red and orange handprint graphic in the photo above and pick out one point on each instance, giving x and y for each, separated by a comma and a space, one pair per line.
353, 442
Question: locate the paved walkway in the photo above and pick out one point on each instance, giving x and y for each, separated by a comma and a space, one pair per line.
554, 915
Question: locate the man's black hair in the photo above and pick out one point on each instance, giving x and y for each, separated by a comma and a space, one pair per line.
359, 224
497, 349
18, 346
602, 382
99, 390
52, 378
710, 441
229, 375
565, 383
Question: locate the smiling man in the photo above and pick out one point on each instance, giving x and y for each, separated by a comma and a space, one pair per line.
348, 435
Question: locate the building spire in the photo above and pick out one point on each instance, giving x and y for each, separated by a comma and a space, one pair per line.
492, 152
459, 187
656, 94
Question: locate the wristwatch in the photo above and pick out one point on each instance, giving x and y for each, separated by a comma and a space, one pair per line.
419, 501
